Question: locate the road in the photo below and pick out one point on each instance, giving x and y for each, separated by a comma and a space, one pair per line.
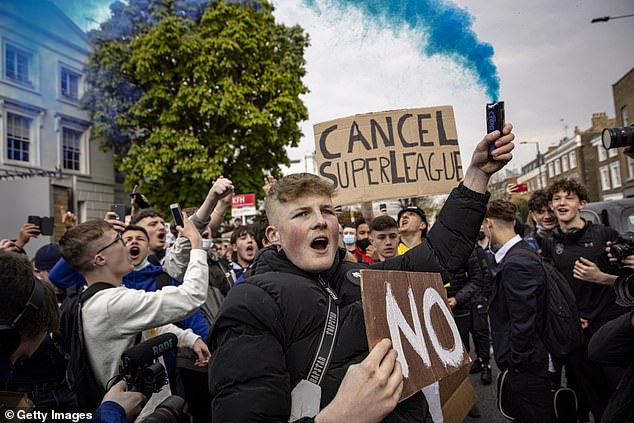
486, 399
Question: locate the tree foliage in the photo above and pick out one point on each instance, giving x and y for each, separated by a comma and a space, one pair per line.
184, 92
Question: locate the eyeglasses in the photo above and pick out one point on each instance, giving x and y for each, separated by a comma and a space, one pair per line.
117, 239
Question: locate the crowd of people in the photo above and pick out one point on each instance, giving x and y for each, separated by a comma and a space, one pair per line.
249, 311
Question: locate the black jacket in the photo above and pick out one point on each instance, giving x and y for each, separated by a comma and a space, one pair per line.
466, 285
613, 343
516, 308
596, 302
269, 326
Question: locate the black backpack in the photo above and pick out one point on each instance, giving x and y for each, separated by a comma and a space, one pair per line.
560, 328
79, 375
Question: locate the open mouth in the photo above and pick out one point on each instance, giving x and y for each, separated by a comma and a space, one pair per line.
161, 236
250, 249
135, 252
319, 243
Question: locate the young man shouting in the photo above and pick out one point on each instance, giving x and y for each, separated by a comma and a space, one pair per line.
268, 330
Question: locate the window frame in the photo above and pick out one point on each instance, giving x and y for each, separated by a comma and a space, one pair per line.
71, 70
565, 165
602, 153
615, 173
573, 159
64, 122
32, 84
604, 177
16, 138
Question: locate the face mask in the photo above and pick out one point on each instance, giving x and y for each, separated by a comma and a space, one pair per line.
363, 244
349, 239
207, 243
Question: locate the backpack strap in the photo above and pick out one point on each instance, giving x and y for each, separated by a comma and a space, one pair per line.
87, 293
547, 248
599, 235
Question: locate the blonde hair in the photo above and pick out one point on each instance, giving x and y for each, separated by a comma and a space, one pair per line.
295, 186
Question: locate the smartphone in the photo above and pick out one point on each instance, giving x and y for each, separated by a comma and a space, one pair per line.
521, 188
47, 226
139, 201
119, 209
35, 220
495, 121
225, 193
176, 213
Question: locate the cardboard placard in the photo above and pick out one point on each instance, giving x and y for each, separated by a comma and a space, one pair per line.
410, 308
393, 154
457, 396
14, 401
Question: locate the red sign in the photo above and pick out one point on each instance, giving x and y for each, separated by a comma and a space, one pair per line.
243, 200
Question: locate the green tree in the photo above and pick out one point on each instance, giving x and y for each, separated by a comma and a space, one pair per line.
184, 100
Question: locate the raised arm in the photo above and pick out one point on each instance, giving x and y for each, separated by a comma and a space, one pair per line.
481, 167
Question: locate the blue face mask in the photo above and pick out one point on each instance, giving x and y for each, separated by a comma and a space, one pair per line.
349, 239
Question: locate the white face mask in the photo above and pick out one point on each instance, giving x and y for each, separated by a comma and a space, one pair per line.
207, 244
349, 239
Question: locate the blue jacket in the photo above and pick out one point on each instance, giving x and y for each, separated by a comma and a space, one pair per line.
64, 276
109, 412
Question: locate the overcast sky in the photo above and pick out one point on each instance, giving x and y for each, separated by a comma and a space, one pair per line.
555, 68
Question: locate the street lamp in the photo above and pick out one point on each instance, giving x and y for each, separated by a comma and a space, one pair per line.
607, 18
539, 162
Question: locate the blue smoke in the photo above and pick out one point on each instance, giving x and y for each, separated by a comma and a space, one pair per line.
445, 30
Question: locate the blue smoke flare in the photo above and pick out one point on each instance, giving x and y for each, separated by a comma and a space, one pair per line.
445, 30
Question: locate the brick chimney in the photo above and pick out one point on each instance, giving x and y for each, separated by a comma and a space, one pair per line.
599, 121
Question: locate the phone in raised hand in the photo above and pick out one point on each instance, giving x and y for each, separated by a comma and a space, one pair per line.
177, 214
495, 121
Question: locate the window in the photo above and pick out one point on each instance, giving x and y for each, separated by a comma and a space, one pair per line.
573, 159
564, 163
602, 152
605, 178
71, 149
613, 152
18, 137
16, 64
625, 116
615, 171
557, 167
630, 167
551, 170
70, 84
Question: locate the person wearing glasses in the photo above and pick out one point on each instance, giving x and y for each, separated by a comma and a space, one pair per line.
113, 318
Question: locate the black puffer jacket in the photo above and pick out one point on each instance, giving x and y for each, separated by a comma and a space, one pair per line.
269, 326
465, 285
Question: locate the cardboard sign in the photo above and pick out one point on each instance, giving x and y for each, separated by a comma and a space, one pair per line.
457, 396
395, 154
411, 309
